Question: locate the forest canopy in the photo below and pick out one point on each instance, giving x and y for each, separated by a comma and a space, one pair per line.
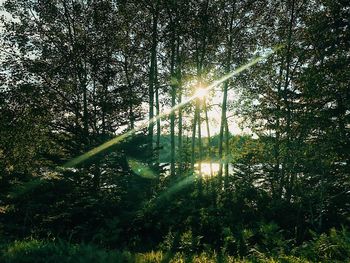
171, 130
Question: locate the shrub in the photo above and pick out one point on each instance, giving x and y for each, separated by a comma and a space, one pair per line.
189, 243
58, 252
334, 247
271, 239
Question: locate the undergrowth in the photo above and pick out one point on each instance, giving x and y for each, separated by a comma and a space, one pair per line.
331, 247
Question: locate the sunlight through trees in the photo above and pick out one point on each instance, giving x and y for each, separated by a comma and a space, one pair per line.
173, 130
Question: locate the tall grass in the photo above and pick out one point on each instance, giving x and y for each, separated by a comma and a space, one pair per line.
331, 247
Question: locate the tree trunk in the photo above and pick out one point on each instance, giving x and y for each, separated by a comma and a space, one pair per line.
179, 86
226, 154
157, 110
130, 93
152, 77
225, 90
179, 147
193, 143
209, 139
200, 150
287, 159
173, 102
200, 56
222, 128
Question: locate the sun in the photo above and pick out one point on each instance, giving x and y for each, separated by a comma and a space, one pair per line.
201, 92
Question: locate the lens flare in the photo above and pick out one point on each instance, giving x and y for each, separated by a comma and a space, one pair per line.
141, 169
203, 91
185, 181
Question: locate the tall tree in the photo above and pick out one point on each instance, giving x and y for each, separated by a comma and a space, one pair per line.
154, 10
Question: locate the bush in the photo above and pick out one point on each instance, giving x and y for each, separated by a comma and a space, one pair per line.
271, 240
60, 252
334, 247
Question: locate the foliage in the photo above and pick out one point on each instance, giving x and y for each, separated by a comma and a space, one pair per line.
331, 247
39, 251
323, 248
76, 75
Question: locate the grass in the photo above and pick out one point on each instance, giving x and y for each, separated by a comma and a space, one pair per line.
28, 251
332, 247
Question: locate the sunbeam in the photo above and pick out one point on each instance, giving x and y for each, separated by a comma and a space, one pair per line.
205, 90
